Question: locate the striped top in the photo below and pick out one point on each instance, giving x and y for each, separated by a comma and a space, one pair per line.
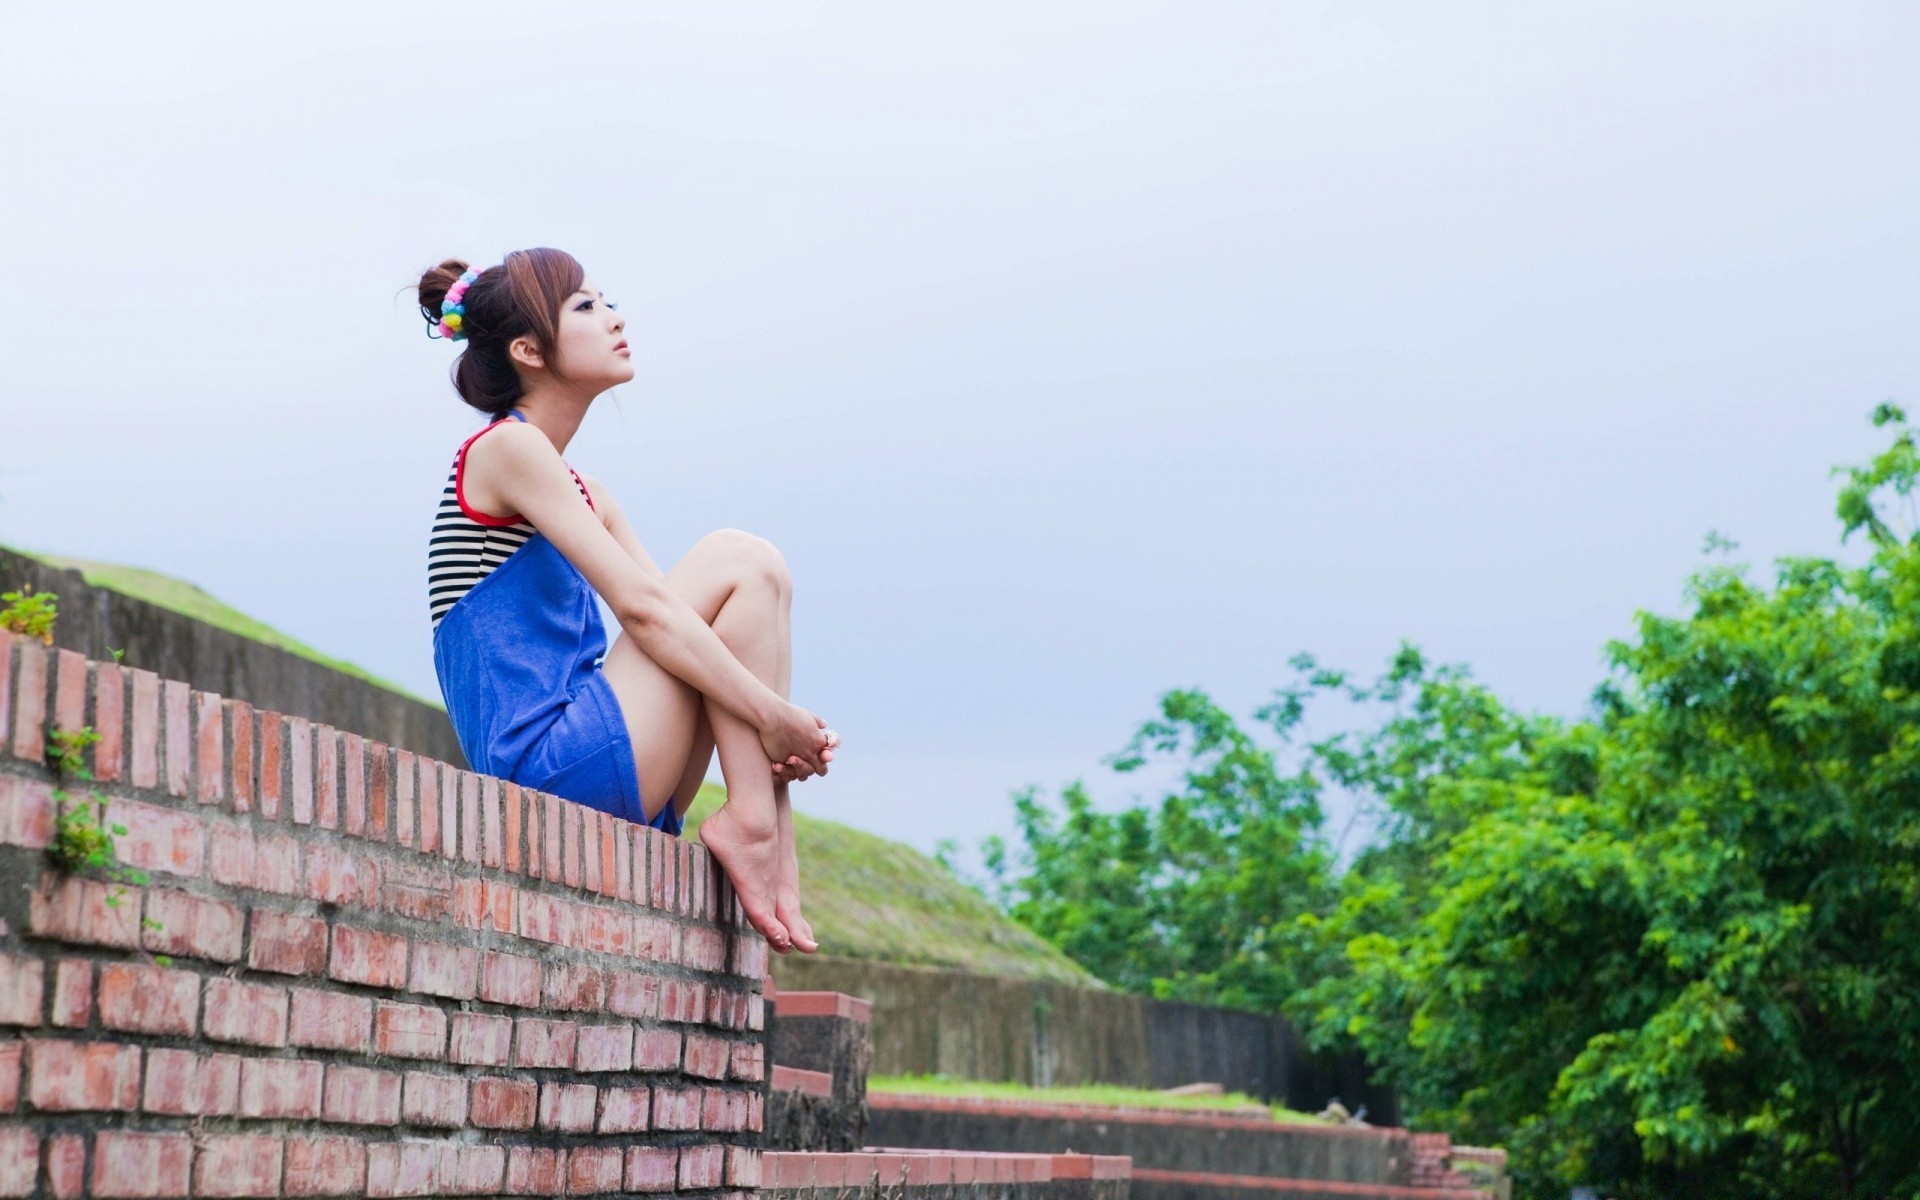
467, 545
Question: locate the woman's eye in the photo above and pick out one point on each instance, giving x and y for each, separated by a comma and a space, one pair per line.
613, 306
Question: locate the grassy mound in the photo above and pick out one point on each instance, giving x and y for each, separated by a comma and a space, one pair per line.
1097, 1093
177, 595
871, 898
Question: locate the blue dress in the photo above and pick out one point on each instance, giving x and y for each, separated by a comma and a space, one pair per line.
519, 658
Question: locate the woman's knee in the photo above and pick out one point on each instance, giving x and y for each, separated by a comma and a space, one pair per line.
751, 559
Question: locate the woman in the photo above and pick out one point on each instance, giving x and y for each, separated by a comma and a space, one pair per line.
521, 544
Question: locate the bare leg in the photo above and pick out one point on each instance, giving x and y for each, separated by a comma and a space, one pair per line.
738, 584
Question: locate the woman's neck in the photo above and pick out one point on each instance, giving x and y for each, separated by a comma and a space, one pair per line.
555, 414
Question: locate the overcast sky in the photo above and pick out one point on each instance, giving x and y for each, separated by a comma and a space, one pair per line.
1071, 352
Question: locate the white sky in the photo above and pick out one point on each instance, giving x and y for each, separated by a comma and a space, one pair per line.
1070, 352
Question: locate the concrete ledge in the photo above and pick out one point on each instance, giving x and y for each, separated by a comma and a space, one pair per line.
794, 1079
939, 1175
1152, 1184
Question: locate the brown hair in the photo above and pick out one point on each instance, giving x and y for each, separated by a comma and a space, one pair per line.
519, 298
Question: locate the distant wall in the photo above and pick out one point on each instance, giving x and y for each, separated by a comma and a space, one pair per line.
96, 621
933, 1022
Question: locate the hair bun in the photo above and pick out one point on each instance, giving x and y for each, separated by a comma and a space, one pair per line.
434, 283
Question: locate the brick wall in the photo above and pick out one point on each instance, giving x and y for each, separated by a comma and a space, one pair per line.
386, 976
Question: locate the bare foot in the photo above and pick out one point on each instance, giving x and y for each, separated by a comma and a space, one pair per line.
786, 903
751, 861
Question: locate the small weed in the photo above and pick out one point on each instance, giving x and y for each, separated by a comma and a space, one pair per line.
117, 654
82, 835
30, 614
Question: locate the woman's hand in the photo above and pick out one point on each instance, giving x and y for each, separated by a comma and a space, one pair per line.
798, 744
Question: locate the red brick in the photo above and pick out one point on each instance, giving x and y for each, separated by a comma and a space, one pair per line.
743, 1167
66, 908
326, 776
353, 779
625, 1110
361, 1096
511, 850
210, 752
149, 999
756, 1012
631, 994
367, 957
240, 762
479, 904
26, 812
545, 918
502, 1103
244, 1012
30, 702
550, 841
538, 1043
608, 868
480, 1040
238, 1165
143, 727
604, 1048
402, 1168
415, 888
429, 1099
592, 1170
449, 809
10, 1075
682, 901
287, 944
19, 1148
325, 1167
706, 1056
701, 1166
429, 806
183, 1083
622, 842
535, 1172
510, 979
274, 1088
469, 817
466, 1170
652, 1168
450, 971
273, 735
23, 981
590, 851
299, 739
175, 698
330, 1020
159, 839
568, 1107
653, 938
656, 1050
747, 1061
109, 721
336, 875
379, 806
676, 1108
405, 770
67, 1166
575, 987
189, 926
276, 866
230, 854
140, 1166
69, 1076
409, 1030
572, 833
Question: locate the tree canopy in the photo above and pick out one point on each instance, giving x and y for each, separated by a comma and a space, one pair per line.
1670, 948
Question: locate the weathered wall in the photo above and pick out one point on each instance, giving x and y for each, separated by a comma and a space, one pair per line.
96, 621
981, 1027
941, 1175
1179, 1154
388, 977
825, 1034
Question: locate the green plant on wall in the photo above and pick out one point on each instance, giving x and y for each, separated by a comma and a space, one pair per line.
30, 614
82, 834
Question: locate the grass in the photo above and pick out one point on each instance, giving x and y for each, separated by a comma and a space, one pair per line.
1098, 1093
871, 898
179, 596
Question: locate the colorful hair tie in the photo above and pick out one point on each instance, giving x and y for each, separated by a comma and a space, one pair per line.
453, 309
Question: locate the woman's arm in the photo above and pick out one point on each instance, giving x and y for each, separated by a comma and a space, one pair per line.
524, 474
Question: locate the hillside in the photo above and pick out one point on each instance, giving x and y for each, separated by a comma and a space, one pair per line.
867, 897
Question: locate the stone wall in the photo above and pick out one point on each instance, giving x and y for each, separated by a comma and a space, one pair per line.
95, 621
351, 971
965, 1026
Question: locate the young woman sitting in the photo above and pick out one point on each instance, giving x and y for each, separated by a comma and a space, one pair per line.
521, 545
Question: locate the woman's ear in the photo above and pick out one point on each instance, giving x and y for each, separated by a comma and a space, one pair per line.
525, 352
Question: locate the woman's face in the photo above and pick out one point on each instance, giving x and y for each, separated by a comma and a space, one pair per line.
592, 344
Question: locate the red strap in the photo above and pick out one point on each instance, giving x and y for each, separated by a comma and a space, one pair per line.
474, 514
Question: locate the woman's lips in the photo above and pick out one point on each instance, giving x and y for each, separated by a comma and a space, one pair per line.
621, 349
